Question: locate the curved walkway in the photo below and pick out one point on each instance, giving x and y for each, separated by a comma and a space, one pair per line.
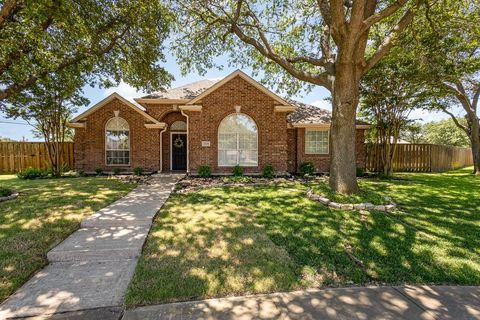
92, 268
405, 302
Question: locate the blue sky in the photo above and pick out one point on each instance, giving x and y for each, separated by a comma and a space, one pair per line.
18, 130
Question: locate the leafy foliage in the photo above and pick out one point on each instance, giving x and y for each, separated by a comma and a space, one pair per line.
32, 173
138, 171
237, 171
204, 171
445, 132
268, 171
5, 192
101, 41
307, 168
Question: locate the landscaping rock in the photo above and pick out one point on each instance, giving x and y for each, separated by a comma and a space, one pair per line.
346, 206
323, 200
359, 206
369, 206
10, 197
390, 207
335, 205
379, 208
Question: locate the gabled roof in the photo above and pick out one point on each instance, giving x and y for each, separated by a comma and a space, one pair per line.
185, 92
110, 98
238, 73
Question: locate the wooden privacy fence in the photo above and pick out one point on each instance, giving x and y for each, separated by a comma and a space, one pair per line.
16, 156
421, 158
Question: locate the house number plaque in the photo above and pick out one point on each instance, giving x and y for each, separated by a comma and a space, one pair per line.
205, 143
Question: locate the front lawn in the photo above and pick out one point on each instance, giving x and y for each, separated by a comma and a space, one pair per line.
46, 212
242, 240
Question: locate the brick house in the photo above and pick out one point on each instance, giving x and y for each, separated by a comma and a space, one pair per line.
216, 123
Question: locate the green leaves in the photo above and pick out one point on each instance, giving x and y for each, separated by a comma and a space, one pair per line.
99, 41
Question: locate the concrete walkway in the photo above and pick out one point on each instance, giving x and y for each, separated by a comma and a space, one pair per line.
91, 269
407, 302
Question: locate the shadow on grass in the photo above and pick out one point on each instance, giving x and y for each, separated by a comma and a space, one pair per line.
241, 240
45, 213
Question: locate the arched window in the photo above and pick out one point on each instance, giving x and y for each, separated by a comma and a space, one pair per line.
178, 126
237, 141
117, 142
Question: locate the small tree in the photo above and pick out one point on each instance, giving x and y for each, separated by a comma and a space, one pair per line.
47, 107
387, 100
447, 51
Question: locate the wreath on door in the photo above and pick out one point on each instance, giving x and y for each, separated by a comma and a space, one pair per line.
178, 143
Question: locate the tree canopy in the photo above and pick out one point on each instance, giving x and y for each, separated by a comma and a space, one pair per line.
298, 44
101, 41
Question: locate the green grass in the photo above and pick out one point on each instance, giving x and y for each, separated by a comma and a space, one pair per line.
46, 212
242, 240
372, 193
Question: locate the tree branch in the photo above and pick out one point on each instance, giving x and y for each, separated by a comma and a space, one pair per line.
8, 10
455, 120
389, 41
385, 13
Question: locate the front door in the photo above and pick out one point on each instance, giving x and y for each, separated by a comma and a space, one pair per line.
179, 151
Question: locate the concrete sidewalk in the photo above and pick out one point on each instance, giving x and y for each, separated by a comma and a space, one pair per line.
92, 268
406, 302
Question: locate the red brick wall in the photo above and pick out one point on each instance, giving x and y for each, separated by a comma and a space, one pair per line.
272, 133
90, 141
292, 150
322, 161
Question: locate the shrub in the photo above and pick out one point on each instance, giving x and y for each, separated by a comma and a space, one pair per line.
99, 171
237, 171
360, 172
268, 171
82, 173
307, 168
32, 173
5, 192
138, 171
116, 171
204, 171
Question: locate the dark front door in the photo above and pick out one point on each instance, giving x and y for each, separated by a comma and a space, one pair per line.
179, 151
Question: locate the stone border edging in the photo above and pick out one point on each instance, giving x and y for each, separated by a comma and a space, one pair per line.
349, 206
14, 195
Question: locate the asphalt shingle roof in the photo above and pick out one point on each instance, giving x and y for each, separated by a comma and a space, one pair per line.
187, 92
304, 114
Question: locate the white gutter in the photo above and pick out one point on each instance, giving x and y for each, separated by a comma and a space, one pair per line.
188, 138
161, 147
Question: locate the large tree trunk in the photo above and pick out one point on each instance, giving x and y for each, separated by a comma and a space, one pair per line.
343, 165
475, 139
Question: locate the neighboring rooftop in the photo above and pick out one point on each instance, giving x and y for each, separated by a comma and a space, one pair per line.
186, 92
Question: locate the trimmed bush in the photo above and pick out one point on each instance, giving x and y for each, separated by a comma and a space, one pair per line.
116, 171
204, 171
268, 171
99, 171
360, 172
237, 171
32, 173
5, 192
138, 171
307, 168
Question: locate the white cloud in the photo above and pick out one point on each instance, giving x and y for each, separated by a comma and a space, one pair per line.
125, 90
324, 104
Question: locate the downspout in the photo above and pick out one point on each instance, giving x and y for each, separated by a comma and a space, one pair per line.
188, 142
161, 147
